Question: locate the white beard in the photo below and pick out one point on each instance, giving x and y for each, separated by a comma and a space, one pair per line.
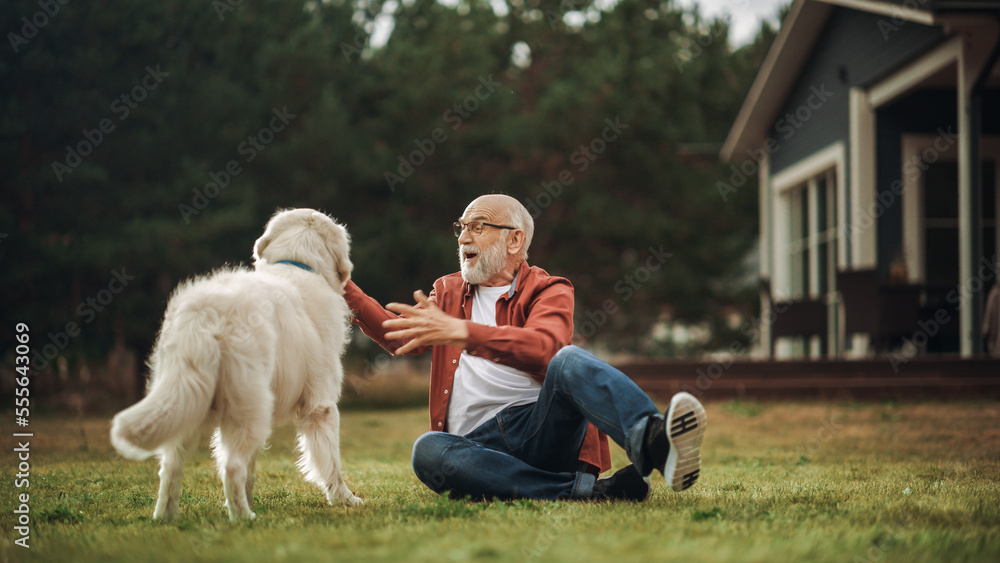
489, 263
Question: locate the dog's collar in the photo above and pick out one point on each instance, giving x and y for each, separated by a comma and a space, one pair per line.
294, 263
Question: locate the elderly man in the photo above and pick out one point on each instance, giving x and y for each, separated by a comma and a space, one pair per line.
517, 412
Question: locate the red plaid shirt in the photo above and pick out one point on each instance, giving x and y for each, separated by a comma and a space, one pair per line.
534, 321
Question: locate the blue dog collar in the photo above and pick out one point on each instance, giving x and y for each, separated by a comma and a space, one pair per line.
294, 263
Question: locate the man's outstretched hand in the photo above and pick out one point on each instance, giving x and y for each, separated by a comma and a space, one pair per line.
425, 325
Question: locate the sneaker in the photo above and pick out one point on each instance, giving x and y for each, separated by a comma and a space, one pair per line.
673, 444
625, 484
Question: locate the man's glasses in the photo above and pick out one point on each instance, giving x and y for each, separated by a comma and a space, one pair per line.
475, 227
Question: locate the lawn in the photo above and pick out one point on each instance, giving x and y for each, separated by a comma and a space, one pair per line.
780, 482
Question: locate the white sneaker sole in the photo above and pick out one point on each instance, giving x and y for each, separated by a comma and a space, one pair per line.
685, 428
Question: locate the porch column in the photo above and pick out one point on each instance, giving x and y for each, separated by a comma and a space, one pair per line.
966, 206
765, 347
977, 43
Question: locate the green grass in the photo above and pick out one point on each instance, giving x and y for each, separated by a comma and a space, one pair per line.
780, 482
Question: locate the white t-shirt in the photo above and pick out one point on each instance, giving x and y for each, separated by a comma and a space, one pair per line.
483, 388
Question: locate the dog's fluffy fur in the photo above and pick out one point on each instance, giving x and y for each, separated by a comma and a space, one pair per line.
244, 349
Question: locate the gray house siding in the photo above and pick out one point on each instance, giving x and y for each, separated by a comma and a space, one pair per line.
854, 50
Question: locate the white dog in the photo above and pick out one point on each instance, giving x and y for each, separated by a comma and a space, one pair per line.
245, 349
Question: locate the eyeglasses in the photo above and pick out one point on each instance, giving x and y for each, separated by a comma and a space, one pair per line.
475, 227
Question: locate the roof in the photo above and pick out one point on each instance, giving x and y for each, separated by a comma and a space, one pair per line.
793, 45
938, 6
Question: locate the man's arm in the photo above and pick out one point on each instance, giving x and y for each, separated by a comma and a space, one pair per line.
424, 325
548, 328
529, 348
369, 316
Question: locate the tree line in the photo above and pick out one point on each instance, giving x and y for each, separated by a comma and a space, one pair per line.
151, 141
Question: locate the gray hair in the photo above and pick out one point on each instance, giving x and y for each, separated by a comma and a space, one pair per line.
520, 218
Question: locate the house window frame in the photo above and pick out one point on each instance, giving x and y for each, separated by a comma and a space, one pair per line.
918, 148
829, 161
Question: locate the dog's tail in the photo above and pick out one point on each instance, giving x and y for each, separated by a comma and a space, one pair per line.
185, 369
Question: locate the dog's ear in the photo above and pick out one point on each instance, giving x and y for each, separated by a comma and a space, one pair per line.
342, 254
270, 232
337, 242
344, 269
261, 244
271, 229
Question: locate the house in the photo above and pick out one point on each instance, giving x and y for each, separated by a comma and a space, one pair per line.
874, 130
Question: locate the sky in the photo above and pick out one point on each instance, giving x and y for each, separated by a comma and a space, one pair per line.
744, 15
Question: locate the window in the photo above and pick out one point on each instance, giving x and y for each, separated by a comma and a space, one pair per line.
798, 242
812, 240
931, 224
813, 235
805, 242
930, 207
941, 221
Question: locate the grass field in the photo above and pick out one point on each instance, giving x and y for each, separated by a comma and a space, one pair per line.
780, 482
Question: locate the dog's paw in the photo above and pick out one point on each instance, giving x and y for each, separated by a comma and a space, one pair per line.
346, 501
342, 496
235, 517
164, 515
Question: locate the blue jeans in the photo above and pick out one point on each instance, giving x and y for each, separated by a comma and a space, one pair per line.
532, 451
